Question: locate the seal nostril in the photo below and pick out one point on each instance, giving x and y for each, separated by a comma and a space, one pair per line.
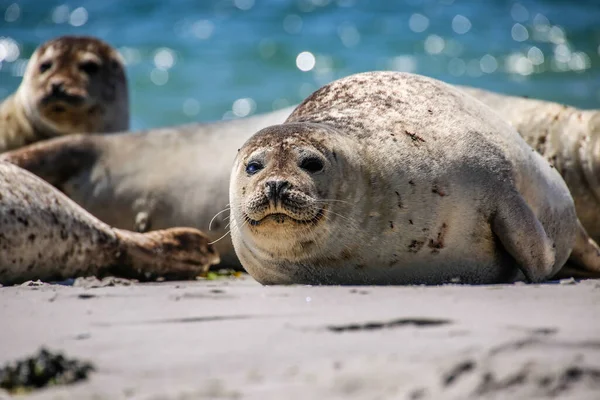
57, 87
276, 188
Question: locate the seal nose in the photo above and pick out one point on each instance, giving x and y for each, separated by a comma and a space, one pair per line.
58, 87
275, 188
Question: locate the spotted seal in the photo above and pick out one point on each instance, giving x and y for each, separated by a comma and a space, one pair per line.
46, 236
395, 178
72, 84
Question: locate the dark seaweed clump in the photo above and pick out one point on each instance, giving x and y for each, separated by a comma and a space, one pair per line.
41, 370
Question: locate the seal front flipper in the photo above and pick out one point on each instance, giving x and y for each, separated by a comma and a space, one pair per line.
175, 253
585, 257
56, 160
524, 238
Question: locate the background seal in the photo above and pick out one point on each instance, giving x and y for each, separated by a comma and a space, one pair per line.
72, 84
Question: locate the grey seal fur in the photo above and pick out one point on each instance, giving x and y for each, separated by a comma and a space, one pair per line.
395, 178
72, 84
568, 137
46, 236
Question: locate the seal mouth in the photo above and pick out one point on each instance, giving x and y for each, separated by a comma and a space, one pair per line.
281, 218
60, 99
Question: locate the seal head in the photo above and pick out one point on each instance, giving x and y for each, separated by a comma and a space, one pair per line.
75, 84
283, 194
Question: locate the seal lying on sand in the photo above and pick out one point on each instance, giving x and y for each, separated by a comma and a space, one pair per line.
71, 85
395, 178
46, 236
119, 179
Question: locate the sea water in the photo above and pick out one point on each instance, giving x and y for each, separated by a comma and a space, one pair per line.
208, 60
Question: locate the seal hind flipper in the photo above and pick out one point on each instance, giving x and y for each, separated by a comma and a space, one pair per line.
56, 160
524, 238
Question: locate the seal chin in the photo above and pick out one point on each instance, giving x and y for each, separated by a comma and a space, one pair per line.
72, 116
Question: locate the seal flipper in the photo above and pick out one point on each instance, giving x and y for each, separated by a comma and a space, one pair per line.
585, 257
56, 160
524, 238
174, 253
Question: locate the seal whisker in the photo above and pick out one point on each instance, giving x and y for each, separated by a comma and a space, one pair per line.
233, 226
226, 233
216, 215
332, 200
353, 223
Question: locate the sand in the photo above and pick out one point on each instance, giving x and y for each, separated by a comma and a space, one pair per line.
235, 339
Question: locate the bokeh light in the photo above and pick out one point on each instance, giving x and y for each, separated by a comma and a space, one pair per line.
305, 61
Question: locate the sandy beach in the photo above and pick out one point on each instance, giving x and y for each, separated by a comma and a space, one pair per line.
235, 339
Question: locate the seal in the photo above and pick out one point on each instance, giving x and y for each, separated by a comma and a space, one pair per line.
72, 84
569, 138
118, 179
47, 236
395, 178
122, 180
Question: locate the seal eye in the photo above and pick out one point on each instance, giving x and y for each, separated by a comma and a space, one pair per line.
312, 165
89, 67
45, 66
253, 167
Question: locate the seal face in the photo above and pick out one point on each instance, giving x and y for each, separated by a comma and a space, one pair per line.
285, 192
390, 178
72, 84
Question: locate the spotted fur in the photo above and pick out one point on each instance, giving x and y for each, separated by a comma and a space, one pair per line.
477, 203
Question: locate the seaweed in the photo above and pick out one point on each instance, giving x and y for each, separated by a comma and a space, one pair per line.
43, 369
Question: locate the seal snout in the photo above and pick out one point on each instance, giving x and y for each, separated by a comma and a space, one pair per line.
275, 190
280, 201
60, 91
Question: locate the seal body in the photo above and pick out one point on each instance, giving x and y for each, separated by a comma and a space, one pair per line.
72, 84
392, 178
46, 236
569, 138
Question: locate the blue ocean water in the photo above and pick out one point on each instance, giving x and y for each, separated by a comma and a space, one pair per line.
206, 60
